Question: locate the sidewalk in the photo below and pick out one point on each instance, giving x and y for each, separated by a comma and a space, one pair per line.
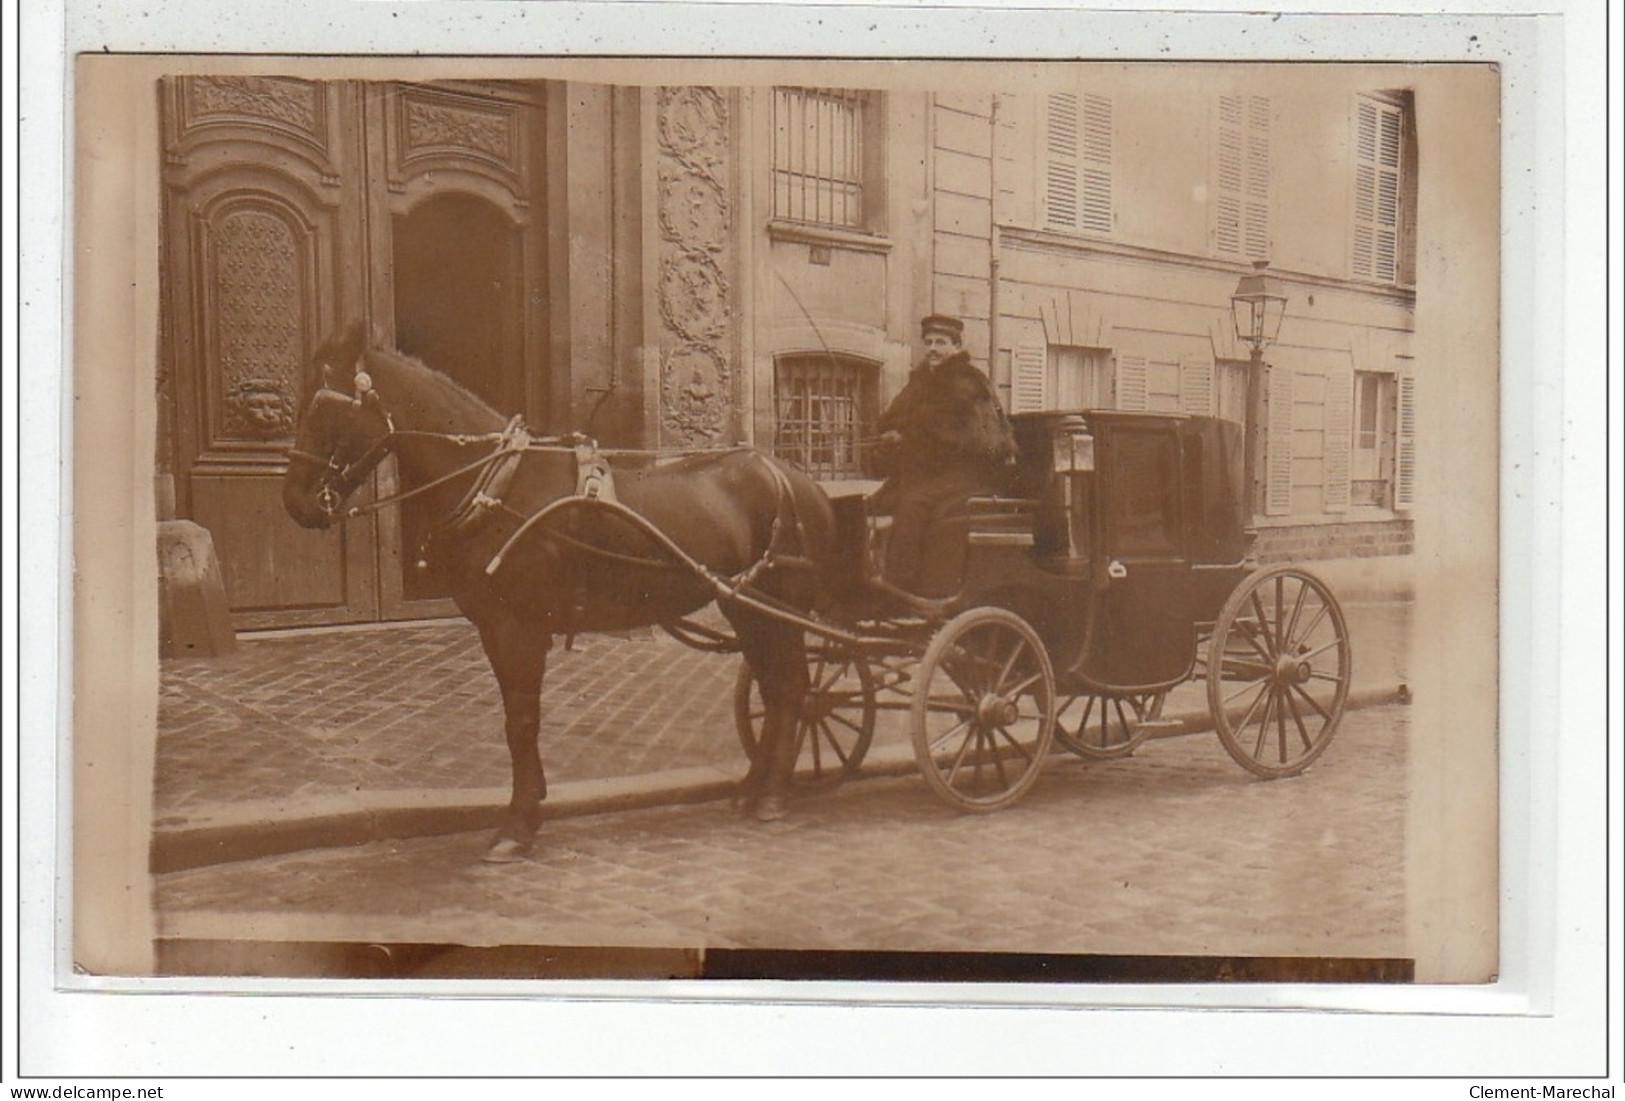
345, 735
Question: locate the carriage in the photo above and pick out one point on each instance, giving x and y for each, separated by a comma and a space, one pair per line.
1114, 570
1111, 570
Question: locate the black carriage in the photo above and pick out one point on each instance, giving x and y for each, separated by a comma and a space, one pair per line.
1114, 568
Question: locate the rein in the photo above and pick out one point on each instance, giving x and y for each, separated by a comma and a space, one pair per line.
491, 479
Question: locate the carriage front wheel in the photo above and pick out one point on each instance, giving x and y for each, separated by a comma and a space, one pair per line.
984, 709
1278, 671
837, 720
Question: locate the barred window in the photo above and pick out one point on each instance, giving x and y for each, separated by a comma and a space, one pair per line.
825, 409
818, 156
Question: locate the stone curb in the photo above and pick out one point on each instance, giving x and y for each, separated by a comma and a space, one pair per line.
273, 828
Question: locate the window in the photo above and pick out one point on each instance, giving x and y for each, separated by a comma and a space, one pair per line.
1384, 232
819, 154
1371, 464
1165, 385
825, 408
1060, 377
1144, 520
1241, 206
1077, 177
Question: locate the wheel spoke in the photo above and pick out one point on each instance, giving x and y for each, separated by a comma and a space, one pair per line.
938, 742
1312, 702
1335, 643
1021, 689
957, 706
1325, 610
1264, 724
1280, 726
959, 758
1303, 732
1297, 609
1249, 686
1015, 742
1264, 627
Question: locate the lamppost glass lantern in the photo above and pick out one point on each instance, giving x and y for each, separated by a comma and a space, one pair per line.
1257, 309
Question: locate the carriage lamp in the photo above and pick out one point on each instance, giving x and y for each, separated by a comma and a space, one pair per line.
1257, 308
1073, 452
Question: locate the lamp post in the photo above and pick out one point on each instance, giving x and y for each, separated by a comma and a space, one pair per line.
1256, 308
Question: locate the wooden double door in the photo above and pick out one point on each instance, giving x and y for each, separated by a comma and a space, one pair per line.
293, 208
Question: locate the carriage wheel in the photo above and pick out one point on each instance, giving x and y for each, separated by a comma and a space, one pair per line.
983, 709
1278, 671
837, 719
1108, 726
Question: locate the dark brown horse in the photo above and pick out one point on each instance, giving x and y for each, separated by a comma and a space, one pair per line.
526, 556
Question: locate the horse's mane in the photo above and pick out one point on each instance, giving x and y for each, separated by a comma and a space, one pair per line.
352, 347
459, 398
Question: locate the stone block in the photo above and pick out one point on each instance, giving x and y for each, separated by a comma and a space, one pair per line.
193, 617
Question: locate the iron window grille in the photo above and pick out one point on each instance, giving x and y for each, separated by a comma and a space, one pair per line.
825, 408
818, 156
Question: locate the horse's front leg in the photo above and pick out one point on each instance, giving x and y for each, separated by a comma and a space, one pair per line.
778, 659
519, 660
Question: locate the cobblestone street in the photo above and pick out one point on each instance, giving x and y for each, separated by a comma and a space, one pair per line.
1175, 850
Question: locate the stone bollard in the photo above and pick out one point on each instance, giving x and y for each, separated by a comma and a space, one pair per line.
193, 617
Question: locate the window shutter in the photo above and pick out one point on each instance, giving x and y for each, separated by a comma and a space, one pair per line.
1405, 444
1078, 142
1029, 381
1061, 161
1278, 444
1096, 213
1339, 441
1378, 144
1241, 205
1132, 383
1196, 387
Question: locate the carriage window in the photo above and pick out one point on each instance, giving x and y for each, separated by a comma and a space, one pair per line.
1144, 513
825, 406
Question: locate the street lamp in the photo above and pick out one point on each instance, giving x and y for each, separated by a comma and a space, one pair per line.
1256, 308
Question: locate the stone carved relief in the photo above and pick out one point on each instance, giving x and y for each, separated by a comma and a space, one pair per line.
440, 124
695, 216
694, 387
694, 296
693, 210
291, 102
259, 323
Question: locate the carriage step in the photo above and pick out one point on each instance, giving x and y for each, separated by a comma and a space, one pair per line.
1165, 726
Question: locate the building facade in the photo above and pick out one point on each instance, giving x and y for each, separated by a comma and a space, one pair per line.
683, 267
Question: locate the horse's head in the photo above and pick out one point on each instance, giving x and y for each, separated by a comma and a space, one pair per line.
343, 432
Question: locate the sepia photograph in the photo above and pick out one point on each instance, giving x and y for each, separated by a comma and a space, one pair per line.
772, 539
936, 522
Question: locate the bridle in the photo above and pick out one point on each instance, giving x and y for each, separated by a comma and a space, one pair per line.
340, 479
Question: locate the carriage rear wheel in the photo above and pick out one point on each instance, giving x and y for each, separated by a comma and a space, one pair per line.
1278, 671
1108, 726
984, 709
837, 720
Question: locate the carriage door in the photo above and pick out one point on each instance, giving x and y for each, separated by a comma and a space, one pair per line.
291, 208
1144, 635
462, 282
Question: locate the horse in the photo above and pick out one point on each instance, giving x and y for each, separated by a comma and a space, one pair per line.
528, 552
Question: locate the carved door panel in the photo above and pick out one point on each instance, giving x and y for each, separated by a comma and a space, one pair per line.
291, 208
460, 283
262, 255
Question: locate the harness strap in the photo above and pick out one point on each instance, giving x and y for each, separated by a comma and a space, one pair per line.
494, 480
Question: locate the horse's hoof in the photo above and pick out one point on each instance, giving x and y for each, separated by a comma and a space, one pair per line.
505, 850
771, 808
